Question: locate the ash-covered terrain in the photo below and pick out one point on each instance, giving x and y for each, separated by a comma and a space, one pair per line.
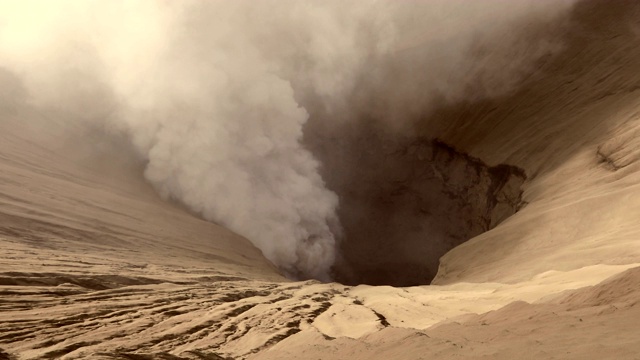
306, 180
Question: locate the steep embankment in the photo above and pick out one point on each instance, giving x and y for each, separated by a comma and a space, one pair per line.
95, 265
74, 203
406, 200
573, 132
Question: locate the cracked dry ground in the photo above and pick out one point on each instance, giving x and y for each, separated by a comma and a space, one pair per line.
205, 319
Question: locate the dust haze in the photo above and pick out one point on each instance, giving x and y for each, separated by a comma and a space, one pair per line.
214, 95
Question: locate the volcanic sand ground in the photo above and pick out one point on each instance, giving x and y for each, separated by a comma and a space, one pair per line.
96, 265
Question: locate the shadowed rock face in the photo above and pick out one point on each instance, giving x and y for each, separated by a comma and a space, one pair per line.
411, 198
405, 202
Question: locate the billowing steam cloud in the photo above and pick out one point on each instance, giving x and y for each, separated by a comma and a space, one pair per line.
215, 94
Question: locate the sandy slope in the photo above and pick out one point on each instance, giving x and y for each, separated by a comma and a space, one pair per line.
95, 265
573, 132
62, 198
591, 323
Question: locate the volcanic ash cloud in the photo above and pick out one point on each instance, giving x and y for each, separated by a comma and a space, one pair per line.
215, 95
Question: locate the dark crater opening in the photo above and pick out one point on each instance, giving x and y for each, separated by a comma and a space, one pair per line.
407, 200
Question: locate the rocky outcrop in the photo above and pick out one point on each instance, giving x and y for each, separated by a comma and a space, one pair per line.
405, 202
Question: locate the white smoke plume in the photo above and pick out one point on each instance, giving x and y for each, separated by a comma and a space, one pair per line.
215, 94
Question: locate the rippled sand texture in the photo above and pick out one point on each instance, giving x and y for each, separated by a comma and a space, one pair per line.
94, 265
